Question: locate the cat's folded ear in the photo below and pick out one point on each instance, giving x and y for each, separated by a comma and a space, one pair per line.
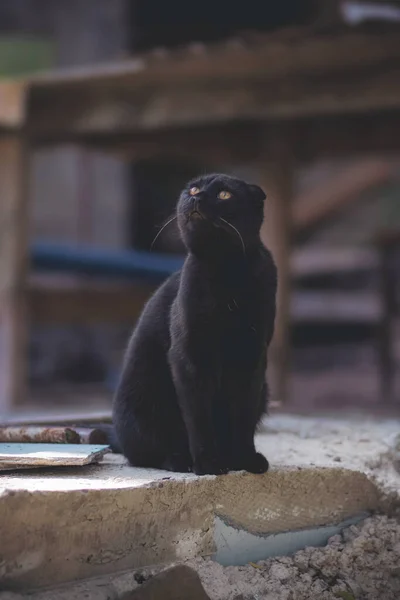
257, 193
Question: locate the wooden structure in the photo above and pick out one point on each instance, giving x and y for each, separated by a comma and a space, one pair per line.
388, 245
274, 103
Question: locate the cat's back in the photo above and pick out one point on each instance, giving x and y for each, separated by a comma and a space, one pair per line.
154, 320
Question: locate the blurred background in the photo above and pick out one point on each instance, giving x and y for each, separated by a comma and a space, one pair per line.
108, 107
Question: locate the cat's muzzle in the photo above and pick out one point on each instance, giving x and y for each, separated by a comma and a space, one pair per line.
196, 215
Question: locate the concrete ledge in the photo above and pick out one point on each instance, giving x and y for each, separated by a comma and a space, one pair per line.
74, 524
65, 527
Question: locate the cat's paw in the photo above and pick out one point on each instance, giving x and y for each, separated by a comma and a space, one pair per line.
209, 466
252, 463
256, 463
178, 463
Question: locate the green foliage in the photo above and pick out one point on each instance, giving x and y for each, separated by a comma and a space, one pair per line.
22, 55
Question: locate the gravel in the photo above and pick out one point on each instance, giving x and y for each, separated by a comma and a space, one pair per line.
363, 563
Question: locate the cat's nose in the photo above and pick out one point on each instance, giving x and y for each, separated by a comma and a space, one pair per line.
198, 208
200, 201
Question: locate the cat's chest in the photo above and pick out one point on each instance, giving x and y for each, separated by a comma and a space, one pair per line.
238, 300
237, 315
238, 332
231, 305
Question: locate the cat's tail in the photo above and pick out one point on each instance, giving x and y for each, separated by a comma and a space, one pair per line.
112, 440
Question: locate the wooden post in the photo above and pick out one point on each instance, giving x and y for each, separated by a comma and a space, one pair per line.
276, 178
13, 262
386, 332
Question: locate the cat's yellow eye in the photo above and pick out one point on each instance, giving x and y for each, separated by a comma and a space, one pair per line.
194, 191
224, 195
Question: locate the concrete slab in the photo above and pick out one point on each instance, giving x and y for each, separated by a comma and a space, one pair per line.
362, 562
71, 525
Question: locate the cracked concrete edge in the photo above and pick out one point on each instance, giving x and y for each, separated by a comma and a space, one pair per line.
294, 498
388, 494
115, 586
51, 537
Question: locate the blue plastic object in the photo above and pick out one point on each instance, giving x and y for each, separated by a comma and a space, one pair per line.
92, 261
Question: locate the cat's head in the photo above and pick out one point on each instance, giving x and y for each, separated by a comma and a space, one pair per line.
221, 213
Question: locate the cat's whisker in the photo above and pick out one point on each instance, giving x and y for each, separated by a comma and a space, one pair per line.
161, 230
237, 231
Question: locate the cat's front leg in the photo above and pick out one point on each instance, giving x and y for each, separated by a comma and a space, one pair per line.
244, 456
196, 391
249, 405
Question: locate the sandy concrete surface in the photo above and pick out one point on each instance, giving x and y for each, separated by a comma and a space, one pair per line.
359, 443
362, 563
111, 517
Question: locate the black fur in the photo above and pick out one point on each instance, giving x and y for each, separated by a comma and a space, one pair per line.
193, 385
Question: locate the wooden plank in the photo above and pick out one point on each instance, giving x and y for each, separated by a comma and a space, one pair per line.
230, 143
316, 138
13, 264
309, 75
79, 112
318, 261
336, 306
31, 434
329, 137
277, 179
66, 417
388, 238
24, 456
95, 304
386, 338
336, 193
52, 434
270, 56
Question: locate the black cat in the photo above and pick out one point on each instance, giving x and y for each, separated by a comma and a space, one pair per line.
193, 384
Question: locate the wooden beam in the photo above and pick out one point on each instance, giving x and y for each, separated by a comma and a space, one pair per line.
45, 416
13, 263
335, 193
344, 136
270, 78
84, 305
269, 55
229, 143
80, 112
308, 262
276, 177
351, 307
240, 142
13, 95
387, 245
386, 333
